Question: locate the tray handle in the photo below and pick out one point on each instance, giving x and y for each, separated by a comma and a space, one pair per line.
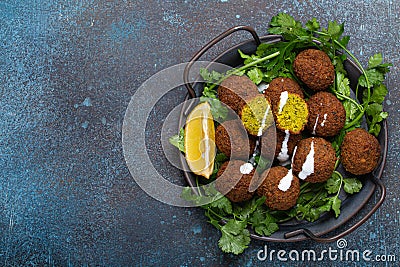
213, 42
312, 236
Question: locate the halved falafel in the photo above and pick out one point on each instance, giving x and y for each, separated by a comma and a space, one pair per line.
235, 91
360, 152
314, 68
291, 113
327, 115
313, 160
280, 187
279, 85
256, 115
234, 178
232, 139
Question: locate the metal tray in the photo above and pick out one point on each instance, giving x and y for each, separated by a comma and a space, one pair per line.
294, 231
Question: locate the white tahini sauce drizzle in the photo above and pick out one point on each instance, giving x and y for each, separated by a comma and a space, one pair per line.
246, 168
323, 122
263, 121
283, 154
308, 165
315, 125
283, 99
262, 87
286, 181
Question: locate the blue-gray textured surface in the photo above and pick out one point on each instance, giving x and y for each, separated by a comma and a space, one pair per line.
67, 72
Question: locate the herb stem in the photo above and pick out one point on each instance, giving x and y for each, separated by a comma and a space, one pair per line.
216, 214
238, 70
341, 182
360, 107
361, 68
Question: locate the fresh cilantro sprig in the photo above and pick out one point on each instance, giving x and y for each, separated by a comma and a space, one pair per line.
178, 140
331, 41
233, 221
317, 199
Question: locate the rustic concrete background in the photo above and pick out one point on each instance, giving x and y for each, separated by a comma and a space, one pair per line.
67, 72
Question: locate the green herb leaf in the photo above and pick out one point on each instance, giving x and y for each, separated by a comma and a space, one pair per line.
375, 60
210, 77
188, 195
312, 25
235, 237
287, 26
378, 94
222, 204
374, 77
256, 75
244, 211
352, 185
263, 223
336, 203
335, 30
333, 183
218, 110
342, 86
375, 112
178, 140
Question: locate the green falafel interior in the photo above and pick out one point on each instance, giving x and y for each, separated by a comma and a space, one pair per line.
292, 113
257, 116
273, 60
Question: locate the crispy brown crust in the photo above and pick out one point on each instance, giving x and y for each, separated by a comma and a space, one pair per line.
330, 124
277, 199
314, 68
324, 159
360, 152
234, 91
237, 145
226, 179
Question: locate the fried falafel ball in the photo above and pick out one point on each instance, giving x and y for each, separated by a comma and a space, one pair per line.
314, 68
360, 152
279, 85
291, 113
280, 187
235, 91
313, 160
234, 180
327, 115
231, 138
256, 115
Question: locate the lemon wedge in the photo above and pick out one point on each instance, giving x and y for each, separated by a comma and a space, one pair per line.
200, 140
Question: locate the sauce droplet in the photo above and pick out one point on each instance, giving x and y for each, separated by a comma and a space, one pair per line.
246, 168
